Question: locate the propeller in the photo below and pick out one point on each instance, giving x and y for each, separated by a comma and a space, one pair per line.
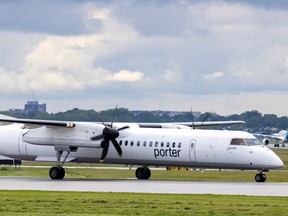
192, 118
109, 134
205, 118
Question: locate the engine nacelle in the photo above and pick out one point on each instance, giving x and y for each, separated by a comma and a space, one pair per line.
265, 141
78, 136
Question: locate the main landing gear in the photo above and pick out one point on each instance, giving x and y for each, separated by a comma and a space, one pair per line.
58, 172
143, 173
260, 177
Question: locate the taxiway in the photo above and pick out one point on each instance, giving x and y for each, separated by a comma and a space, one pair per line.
145, 186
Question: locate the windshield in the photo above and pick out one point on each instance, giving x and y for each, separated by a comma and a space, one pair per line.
237, 141
252, 141
247, 141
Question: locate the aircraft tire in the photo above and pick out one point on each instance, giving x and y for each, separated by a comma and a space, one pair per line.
143, 173
57, 172
263, 177
147, 173
260, 177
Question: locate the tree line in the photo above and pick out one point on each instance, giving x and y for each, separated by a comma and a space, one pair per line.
255, 121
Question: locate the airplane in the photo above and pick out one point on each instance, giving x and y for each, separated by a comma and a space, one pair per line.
280, 136
142, 144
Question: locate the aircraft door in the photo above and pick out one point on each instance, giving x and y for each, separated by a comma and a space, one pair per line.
192, 150
22, 146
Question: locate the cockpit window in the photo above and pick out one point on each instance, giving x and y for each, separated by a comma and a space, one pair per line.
251, 142
247, 141
237, 141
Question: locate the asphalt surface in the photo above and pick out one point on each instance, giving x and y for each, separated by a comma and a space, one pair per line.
144, 186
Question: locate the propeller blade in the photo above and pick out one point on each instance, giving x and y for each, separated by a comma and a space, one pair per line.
117, 146
192, 117
113, 117
123, 128
205, 118
98, 137
105, 145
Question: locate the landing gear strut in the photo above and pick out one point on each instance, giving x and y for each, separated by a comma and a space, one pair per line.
58, 172
143, 173
260, 177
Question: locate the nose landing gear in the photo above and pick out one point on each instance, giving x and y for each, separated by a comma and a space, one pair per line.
260, 177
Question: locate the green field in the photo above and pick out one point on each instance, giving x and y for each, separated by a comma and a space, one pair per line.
86, 203
91, 203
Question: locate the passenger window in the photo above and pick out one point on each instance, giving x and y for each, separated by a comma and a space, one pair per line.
168, 144
131, 143
120, 143
126, 142
138, 143
151, 144
156, 144
144, 143
237, 141
162, 144
173, 145
179, 145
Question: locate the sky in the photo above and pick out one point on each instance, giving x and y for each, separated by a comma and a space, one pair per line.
226, 56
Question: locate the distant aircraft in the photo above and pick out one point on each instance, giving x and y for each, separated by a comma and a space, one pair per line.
143, 144
281, 136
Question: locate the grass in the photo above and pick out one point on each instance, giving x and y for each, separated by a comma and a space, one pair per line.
32, 203
26, 203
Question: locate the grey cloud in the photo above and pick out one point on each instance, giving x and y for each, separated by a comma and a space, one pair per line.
54, 17
183, 49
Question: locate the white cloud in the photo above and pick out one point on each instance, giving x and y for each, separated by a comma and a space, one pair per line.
6, 81
125, 76
99, 14
213, 76
268, 67
170, 75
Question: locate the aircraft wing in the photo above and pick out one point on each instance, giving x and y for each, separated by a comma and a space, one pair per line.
188, 124
33, 123
269, 136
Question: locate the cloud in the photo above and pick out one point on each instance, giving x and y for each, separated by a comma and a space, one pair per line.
125, 76
213, 76
170, 75
187, 49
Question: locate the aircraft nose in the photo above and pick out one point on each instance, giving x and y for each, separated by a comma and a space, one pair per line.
276, 162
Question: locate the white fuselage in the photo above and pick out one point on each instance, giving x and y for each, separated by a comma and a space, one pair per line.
142, 146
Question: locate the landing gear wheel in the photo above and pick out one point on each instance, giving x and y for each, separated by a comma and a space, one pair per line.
57, 173
143, 173
260, 177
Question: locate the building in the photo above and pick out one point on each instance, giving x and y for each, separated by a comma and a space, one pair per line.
30, 106
34, 106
